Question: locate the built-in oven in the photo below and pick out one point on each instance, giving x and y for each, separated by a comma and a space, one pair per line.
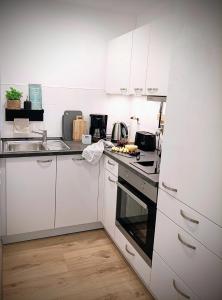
136, 211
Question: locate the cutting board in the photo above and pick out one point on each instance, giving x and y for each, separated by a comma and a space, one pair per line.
67, 123
79, 128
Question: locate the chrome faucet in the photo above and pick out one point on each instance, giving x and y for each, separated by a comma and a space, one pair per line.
43, 133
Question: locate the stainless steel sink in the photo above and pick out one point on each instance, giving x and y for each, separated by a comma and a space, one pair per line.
23, 146
34, 146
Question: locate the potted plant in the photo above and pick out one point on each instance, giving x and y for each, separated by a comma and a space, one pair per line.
13, 97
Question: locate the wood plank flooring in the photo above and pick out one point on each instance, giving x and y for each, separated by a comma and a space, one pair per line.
80, 266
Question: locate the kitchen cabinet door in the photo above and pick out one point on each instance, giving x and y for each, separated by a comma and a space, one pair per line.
118, 65
76, 191
191, 159
109, 203
163, 33
198, 267
139, 60
30, 189
165, 284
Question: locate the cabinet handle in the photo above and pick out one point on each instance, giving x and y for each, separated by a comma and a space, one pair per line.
169, 188
111, 180
138, 89
123, 90
179, 291
78, 159
127, 250
185, 243
44, 161
110, 163
188, 218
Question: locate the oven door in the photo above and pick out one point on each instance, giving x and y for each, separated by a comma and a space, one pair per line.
136, 217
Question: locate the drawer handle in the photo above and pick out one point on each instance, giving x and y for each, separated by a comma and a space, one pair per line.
127, 250
78, 159
179, 291
188, 218
111, 180
185, 243
110, 163
169, 188
44, 161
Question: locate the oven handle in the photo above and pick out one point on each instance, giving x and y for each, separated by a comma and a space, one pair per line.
122, 187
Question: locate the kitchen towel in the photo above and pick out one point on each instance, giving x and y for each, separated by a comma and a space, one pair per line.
94, 152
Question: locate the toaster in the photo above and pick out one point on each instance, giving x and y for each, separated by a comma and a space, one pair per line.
145, 141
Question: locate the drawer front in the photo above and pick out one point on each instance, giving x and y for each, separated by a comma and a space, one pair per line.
199, 268
165, 284
198, 226
133, 257
111, 165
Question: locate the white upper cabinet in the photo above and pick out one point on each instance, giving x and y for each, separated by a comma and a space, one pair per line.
30, 189
163, 33
118, 65
139, 60
76, 191
191, 164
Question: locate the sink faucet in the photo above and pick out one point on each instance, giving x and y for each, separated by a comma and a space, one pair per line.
43, 133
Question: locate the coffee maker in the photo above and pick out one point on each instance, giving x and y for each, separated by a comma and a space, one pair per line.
98, 127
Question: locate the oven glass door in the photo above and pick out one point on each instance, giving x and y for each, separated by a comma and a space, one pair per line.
137, 215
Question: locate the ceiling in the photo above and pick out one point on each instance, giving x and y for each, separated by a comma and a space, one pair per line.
132, 7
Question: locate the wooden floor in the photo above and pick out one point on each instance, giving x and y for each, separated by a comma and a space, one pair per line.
81, 266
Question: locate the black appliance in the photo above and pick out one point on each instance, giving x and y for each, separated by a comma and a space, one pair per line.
136, 212
145, 141
98, 126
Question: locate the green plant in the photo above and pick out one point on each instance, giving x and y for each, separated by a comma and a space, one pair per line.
13, 94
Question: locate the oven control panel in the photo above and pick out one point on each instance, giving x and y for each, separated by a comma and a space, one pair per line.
136, 181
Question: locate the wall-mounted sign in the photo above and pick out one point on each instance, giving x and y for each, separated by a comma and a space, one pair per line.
35, 95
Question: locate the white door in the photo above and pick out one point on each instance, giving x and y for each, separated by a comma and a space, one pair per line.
163, 35
139, 60
30, 189
118, 65
191, 160
109, 202
76, 191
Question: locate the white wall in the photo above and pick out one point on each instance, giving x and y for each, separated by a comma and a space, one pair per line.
62, 45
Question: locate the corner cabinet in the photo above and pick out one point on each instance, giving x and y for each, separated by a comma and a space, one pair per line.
118, 65
30, 186
76, 191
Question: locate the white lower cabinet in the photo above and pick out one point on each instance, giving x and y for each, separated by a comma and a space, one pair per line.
165, 284
201, 228
76, 191
30, 189
133, 257
109, 203
199, 268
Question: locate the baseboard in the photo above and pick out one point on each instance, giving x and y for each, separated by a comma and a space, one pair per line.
8, 239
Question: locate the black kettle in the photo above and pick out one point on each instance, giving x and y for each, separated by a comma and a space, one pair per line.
119, 132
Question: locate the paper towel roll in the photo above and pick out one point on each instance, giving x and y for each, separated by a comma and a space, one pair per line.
134, 127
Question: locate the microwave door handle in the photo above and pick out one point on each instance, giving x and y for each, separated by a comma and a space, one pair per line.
122, 187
